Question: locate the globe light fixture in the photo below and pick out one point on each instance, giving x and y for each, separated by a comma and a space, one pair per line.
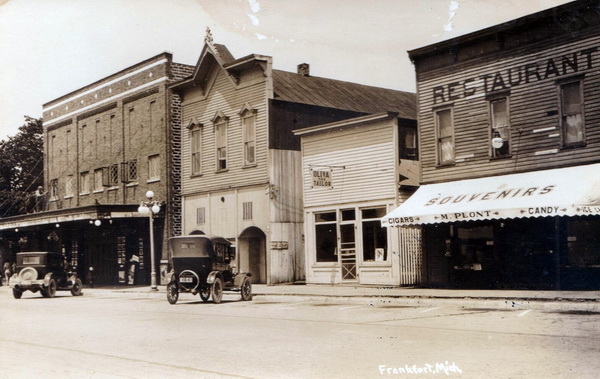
151, 208
497, 141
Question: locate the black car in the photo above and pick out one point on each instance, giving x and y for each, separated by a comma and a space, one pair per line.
206, 266
45, 272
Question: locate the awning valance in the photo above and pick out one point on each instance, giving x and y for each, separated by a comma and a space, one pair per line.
572, 191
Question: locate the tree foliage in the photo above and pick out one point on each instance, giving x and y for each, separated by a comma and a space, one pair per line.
21, 168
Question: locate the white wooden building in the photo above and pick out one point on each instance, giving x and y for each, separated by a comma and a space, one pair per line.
354, 172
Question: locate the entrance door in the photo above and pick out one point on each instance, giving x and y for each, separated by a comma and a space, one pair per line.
252, 251
348, 251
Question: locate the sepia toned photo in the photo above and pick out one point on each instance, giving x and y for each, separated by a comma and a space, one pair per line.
299, 189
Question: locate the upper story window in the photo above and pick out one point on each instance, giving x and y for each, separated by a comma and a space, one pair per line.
84, 182
98, 182
571, 113
408, 148
248, 115
113, 175
221, 122
154, 167
196, 149
54, 189
129, 171
69, 186
500, 122
445, 136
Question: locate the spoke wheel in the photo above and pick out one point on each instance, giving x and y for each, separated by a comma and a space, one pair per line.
172, 292
76, 289
51, 290
17, 293
246, 290
216, 291
205, 294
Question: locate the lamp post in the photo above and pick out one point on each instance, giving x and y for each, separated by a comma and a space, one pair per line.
150, 208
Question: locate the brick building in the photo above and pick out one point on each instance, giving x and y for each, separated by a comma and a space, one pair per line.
105, 146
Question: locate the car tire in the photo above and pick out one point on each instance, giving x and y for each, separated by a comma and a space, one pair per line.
51, 290
205, 294
172, 292
246, 289
17, 293
76, 289
216, 291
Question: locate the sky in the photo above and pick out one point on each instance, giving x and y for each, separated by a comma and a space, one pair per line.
49, 48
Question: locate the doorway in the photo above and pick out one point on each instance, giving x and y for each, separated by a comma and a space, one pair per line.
252, 252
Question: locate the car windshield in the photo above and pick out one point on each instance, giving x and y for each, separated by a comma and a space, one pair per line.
190, 247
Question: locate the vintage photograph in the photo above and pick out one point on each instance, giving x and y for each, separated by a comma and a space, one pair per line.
299, 189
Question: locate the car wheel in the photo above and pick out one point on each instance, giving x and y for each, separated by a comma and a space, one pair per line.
216, 291
205, 294
246, 290
51, 290
17, 293
76, 289
172, 292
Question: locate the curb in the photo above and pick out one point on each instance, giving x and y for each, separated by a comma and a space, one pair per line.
586, 305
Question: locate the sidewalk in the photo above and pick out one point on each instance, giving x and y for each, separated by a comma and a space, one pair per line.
563, 301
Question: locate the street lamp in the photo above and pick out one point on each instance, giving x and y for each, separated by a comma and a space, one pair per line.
150, 208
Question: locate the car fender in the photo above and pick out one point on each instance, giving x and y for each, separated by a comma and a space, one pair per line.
170, 277
47, 279
210, 279
239, 279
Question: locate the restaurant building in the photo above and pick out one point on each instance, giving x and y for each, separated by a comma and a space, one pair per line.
509, 128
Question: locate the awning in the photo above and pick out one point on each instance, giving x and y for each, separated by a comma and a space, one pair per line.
572, 191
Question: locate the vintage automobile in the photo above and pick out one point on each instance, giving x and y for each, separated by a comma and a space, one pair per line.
206, 266
44, 272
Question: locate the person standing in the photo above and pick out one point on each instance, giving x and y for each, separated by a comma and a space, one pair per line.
7, 270
40, 199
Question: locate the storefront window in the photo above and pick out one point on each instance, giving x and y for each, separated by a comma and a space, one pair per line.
326, 237
583, 243
374, 236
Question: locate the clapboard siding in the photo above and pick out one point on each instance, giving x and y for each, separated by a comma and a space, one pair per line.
226, 98
362, 163
533, 106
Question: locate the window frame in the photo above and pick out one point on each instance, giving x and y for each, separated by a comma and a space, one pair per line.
153, 168
69, 186
98, 180
561, 84
494, 153
334, 227
196, 150
438, 138
84, 183
247, 142
221, 145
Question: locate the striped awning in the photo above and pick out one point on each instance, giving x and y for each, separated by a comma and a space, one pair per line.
572, 191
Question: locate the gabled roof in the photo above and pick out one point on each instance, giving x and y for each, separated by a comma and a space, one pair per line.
304, 89
338, 94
